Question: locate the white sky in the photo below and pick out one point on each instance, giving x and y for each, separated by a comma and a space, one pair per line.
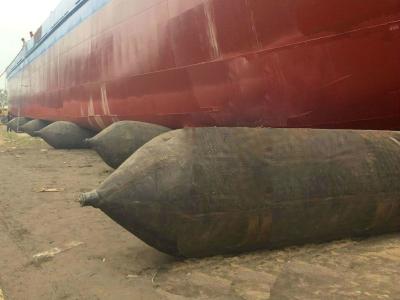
17, 18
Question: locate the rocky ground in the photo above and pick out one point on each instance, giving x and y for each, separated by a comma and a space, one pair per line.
51, 248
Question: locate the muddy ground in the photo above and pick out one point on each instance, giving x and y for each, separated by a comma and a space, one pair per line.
50, 248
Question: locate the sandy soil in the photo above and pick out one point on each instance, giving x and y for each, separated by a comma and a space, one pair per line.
50, 248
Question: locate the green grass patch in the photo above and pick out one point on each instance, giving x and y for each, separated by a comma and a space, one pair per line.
12, 139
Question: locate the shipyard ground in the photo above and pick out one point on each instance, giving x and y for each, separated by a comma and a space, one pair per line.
51, 248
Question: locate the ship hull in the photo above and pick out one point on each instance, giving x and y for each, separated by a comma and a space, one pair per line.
179, 63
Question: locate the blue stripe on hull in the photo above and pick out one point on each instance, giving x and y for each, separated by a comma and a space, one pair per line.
68, 17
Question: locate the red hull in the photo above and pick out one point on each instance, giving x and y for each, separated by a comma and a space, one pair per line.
278, 63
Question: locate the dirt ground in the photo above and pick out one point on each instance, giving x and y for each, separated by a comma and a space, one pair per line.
51, 248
